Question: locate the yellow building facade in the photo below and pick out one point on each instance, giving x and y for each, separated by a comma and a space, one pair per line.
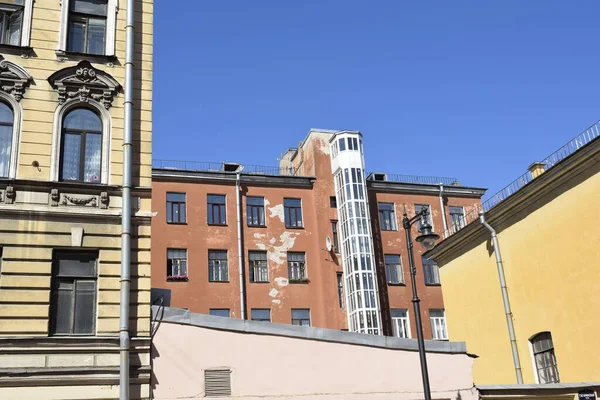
62, 78
547, 228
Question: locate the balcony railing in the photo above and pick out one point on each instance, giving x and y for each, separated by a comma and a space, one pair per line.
200, 166
583, 139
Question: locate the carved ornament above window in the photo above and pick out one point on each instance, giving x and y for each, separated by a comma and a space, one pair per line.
85, 82
14, 80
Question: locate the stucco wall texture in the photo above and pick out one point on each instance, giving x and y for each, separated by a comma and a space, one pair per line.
267, 366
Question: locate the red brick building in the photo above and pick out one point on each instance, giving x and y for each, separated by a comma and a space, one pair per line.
296, 251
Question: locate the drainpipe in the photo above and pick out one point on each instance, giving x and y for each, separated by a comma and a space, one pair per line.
238, 201
126, 208
443, 211
507, 311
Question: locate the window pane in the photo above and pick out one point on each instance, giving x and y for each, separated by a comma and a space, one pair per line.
5, 149
76, 264
6, 114
93, 160
83, 119
436, 313
85, 299
256, 201
96, 7
220, 312
71, 157
216, 199
96, 34
62, 305
342, 143
292, 202
176, 197
261, 314
76, 37
15, 21
301, 314
177, 253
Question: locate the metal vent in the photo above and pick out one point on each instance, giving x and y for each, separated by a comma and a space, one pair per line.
217, 382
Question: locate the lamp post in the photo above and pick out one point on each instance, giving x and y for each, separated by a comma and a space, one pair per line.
427, 239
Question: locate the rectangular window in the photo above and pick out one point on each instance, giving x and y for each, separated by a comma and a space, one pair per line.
431, 271
400, 322
176, 208
11, 22
261, 314
393, 269
293, 213
545, 359
457, 218
336, 239
438, 324
87, 26
220, 312
176, 264
418, 208
217, 266
73, 295
342, 143
297, 267
259, 269
340, 288
387, 217
332, 202
301, 316
255, 211
216, 209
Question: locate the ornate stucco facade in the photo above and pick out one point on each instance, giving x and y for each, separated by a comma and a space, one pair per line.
60, 200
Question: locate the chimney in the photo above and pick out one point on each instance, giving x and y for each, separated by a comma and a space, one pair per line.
536, 169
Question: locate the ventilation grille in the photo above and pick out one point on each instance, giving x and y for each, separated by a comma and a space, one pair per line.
217, 382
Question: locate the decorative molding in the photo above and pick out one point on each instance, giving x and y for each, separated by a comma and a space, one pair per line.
84, 82
10, 194
54, 197
79, 201
14, 79
76, 236
104, 200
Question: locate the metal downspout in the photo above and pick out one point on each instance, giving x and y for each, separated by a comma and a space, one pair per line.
443, 211
507, 310
240, 250
126, 207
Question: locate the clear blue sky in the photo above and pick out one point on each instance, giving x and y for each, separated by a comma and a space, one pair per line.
472, 89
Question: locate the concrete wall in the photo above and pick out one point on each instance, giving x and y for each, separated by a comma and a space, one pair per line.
273, 361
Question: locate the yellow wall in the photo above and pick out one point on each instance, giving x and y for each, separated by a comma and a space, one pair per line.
551, 259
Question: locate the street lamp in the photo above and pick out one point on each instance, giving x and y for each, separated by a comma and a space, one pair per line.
427, 238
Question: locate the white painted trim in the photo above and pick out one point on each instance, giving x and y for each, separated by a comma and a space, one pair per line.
26, 28
59, 114
16, 134
532, 357
111, 26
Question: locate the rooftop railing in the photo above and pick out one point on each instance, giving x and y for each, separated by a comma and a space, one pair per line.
574, 145
227, 167
417, 179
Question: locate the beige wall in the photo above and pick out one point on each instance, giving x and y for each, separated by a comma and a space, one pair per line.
268, 366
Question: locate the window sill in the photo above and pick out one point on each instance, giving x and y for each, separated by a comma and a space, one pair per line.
389, 230
75, 56
433, 284
209, 224
294, 227
299, 281
263, 282
218, 281
396, 284
176, 223
257, 226
23, 51
178, 279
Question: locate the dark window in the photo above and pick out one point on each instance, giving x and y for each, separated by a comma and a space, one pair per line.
176, 208
336, 239
301, 316
332, 202
216, 209
296, 266
393, 269
293, 213
255, 211
430, 271
176, 264
259, 268
418, 208
11, 22
387, 217
261, 314
217, 266
220, 312
342, 144
73, 300
457, 218
545, 359
340, 288
6, 136
87, 26
352, 144
81, 155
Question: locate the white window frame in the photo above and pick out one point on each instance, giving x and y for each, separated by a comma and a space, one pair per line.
111, 26
26, 27
437, 320
399, 320
59, 115
16, 133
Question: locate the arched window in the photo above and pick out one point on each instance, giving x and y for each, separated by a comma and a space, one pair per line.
6, 138
81, 150
545, 360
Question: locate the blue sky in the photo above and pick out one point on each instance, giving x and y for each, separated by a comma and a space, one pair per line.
470, 89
